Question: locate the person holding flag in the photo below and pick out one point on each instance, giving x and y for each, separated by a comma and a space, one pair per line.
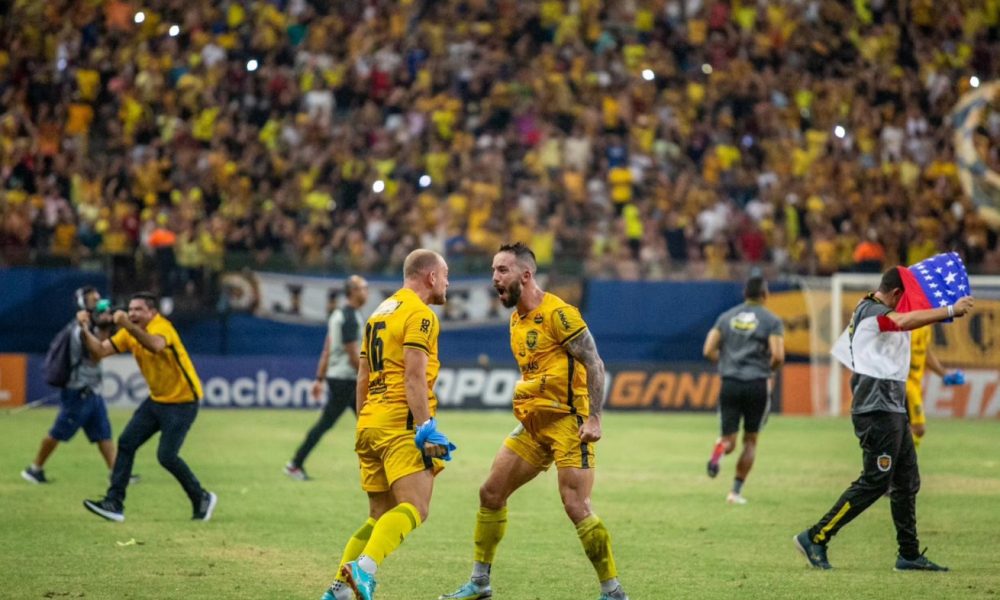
876, 347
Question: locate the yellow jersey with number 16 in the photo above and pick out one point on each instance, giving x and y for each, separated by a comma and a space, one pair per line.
401, 321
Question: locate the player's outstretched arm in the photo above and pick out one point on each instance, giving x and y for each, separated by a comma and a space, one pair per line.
584, 349
918, 318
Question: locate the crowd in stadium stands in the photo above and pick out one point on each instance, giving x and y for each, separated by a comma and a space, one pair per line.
633, 138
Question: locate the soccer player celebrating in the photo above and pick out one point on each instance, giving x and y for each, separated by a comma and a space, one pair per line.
747, 343
558, 403
397, 442
174, 392
876, 344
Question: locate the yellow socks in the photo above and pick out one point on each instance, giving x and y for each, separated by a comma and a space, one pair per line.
597, 544
356, 545
490, 528
390, 530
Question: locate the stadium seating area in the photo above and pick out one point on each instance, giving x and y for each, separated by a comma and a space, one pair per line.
641, 139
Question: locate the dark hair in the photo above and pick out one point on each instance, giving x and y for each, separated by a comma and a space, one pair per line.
148, 297
522, 253
755, 288
891, 280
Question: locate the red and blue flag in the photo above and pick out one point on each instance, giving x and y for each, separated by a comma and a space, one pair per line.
935, 282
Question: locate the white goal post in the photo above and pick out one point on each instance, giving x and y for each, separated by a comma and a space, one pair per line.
869, 281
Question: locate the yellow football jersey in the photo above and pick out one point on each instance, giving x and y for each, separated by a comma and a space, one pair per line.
401, 321
169, 373
552, 381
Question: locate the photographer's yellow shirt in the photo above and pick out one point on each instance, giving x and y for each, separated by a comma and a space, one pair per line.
169, 372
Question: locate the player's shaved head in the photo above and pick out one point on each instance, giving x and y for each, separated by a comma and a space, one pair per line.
419, 262
525, 257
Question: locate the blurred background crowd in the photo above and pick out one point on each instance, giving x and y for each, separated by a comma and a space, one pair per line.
169, 140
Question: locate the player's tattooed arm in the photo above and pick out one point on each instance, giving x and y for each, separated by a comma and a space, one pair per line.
584, 349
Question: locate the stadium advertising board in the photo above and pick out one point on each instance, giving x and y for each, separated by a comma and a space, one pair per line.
307, 300
978, 398
13, 371
284, 382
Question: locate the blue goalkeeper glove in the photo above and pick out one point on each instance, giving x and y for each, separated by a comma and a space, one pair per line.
954, 378
428, 434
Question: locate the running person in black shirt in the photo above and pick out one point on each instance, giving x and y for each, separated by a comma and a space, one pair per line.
879, 349
747, 343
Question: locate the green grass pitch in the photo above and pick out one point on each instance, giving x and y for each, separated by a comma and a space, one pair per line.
674, 536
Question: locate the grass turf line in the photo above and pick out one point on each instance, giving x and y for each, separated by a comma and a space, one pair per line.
673, 534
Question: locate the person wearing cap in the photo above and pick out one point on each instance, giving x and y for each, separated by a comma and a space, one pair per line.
747, 341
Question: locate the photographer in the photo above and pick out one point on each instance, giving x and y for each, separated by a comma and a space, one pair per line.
80, 401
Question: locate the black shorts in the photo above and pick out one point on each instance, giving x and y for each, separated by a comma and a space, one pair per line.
747, 399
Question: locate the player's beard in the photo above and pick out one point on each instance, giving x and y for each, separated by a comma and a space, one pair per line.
513, 295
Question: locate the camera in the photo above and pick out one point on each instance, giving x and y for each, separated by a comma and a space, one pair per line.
102, 314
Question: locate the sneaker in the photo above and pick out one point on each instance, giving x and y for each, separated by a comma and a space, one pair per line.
358, 580
470, 591
338, 591
920, 563
296, 473
713, 469
734, 498
814, 553
111, 511
205, 507
34, 475
617, 594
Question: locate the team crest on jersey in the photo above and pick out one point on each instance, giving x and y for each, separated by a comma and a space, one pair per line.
539, 319
532, 339
884, 462
744, 321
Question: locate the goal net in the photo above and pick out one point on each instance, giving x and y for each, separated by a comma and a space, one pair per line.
971, 344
